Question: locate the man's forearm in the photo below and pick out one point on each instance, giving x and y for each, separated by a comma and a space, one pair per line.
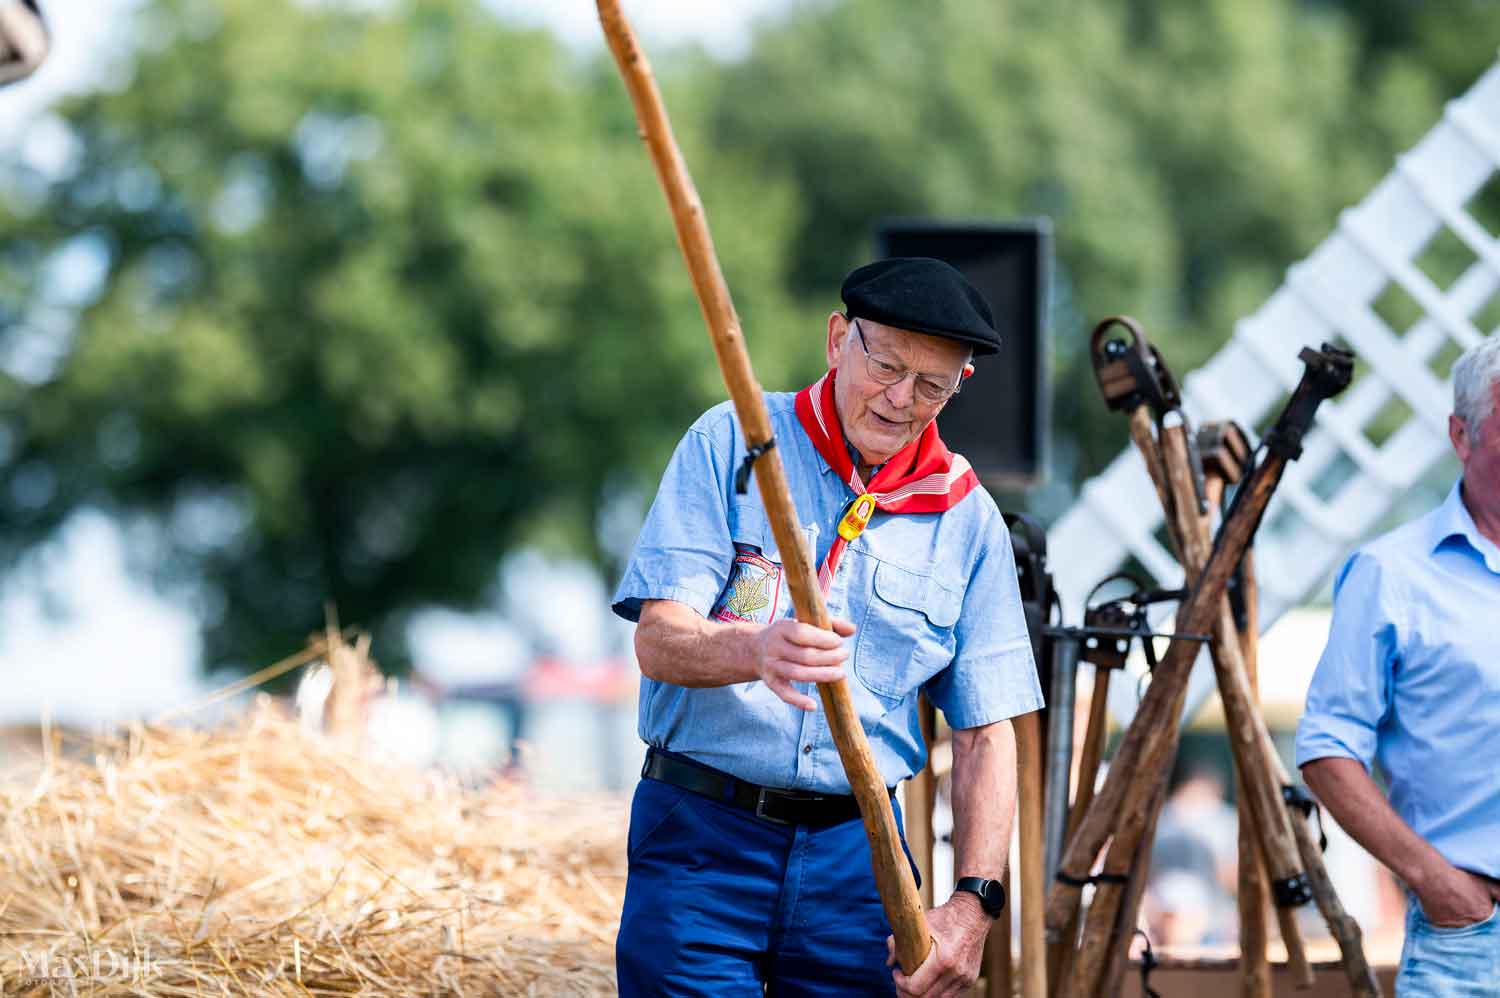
984, 798
675, 645
1356, 803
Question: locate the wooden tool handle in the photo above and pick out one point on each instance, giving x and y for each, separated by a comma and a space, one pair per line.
1247, 735
1345, 930
1093, 748
1253, 895
1112, 913
997, 955
898, 890
921, 795
1130, 907
1146, 748
1296, 951
1145, 445
1088, 774
1263, 813
1111, 919
1033, 933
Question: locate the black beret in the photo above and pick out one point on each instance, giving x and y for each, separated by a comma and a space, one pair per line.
923, 295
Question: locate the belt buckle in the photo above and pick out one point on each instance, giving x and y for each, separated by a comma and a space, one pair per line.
760, 809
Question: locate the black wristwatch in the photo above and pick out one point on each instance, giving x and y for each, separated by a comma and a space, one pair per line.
991, 893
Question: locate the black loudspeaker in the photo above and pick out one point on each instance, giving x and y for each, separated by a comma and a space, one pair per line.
999, 420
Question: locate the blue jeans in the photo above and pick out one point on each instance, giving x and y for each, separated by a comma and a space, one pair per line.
720, 902
1449, 963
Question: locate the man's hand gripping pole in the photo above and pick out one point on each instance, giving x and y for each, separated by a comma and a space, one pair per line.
898, 890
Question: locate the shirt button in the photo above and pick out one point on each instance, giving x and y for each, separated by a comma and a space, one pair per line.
806, 749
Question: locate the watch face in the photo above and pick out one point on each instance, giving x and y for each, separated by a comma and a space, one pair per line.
991, 893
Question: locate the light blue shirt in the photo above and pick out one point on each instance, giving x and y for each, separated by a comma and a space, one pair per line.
1410, 680
933, 596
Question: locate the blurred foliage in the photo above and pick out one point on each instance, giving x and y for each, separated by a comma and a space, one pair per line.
1187, 152
337, 303
1447, 43
386, 293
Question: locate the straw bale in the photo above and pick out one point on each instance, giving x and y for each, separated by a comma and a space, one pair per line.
263, 859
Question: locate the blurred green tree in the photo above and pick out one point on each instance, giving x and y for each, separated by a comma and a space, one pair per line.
342, 305
1187, 150
343, 302
1446, 43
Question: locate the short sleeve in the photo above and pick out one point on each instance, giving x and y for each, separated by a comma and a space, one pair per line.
684, 550
992, 676
1351, 688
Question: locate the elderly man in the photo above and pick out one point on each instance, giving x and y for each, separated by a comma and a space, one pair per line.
1410, 680
749, 867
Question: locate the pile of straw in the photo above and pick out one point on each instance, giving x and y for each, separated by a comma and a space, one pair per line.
263, 860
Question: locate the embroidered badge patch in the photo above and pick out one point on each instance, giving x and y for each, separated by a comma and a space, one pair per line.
753, 590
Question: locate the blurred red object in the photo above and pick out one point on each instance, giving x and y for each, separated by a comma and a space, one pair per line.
607, 680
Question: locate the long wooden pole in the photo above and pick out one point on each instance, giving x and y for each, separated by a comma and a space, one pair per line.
1093, 748
1033, 932
1130, 905
898, 890
1254, 892
997, 955
1226, 453
1060, 950
1062, 954
1343, 927
921, 795
1263, 815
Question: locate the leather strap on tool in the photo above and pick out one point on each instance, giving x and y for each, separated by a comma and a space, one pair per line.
1148, 964
742, 474
1092, 879
1298, 798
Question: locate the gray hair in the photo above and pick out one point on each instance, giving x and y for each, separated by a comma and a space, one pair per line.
1475, 376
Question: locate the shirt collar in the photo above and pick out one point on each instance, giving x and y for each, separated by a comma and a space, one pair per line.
848, 449
853, 456
1452, 519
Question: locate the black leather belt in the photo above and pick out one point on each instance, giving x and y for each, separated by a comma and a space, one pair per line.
780, 807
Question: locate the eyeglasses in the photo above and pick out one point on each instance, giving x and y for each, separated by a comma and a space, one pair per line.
930, 388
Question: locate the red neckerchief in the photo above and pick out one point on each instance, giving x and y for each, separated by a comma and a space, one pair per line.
924, 477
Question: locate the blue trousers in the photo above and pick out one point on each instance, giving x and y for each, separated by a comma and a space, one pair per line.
1449, 963
720, 902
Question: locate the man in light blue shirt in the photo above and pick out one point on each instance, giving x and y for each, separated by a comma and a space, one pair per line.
726, 895
1410, 681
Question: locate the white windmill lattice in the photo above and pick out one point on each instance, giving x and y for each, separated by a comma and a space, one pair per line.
1346, 482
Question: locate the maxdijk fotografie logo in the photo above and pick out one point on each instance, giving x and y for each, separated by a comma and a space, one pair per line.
94, 965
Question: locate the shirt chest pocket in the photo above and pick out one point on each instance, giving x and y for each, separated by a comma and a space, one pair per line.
907, 634
757, 581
